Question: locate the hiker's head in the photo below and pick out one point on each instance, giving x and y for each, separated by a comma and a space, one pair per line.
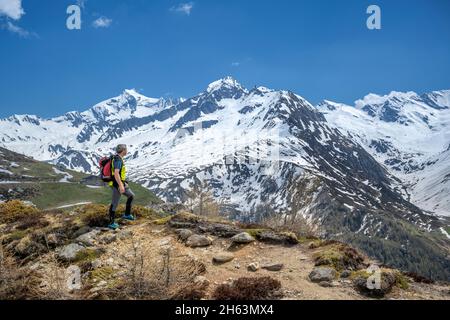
121, 149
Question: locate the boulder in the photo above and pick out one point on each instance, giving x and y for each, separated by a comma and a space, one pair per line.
82, 230
88, 239
273, 266
223, 257
322, 274
184, 234
196, 240
219, 229
277, 238
69, 252
242, 238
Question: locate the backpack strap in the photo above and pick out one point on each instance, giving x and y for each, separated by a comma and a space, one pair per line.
121, 160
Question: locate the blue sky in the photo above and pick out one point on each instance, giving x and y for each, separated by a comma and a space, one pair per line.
319, 49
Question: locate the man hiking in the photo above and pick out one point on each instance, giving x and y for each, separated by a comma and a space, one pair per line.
120, 187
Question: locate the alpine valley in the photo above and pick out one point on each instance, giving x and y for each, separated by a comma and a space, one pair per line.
376, 174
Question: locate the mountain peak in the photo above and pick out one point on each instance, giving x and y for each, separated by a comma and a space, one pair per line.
375, 99
227, 82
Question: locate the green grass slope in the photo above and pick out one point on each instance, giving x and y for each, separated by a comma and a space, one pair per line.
50, 187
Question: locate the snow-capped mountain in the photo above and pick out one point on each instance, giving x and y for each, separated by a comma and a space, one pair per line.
262, 152
72, 139
409, 134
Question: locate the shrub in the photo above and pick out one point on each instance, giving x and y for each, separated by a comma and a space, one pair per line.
142, 212
248, 289
191, 291
418, 278
94, 215
36, 220
15, 210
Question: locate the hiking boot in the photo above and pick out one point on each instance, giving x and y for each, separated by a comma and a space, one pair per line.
128, 217
113, 226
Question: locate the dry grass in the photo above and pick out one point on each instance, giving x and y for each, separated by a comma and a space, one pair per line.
16, 282
156, 273
15, 210
95, 215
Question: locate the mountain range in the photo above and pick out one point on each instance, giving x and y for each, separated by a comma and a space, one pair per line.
375, 174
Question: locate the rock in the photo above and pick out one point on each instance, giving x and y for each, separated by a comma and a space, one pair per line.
302, 258
373, 288
345, 274
335, 283
273, 266
242, 238
176, 224
322, 274
325, 284
108, 238
196, 240
88, 239
184, 234
68, 253
223, 257
254, 266
277, 238
82, 230
219, 229
124, 234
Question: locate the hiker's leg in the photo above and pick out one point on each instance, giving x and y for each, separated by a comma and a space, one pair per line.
130, 195
114, 204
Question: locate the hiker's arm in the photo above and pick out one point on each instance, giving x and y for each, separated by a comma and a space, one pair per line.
119, 181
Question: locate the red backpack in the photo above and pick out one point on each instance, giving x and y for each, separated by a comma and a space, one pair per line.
105, 169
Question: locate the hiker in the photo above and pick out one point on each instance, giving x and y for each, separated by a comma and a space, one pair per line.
119, 187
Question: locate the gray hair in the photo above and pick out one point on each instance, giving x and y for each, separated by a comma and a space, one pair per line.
121, 147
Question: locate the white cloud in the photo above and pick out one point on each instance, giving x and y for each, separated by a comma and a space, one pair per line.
102, 22
18, 30
235, 64
183, 8
11, 8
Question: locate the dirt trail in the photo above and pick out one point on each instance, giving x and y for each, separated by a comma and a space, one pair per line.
297, 261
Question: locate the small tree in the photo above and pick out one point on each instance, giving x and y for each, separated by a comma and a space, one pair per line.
201, 201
